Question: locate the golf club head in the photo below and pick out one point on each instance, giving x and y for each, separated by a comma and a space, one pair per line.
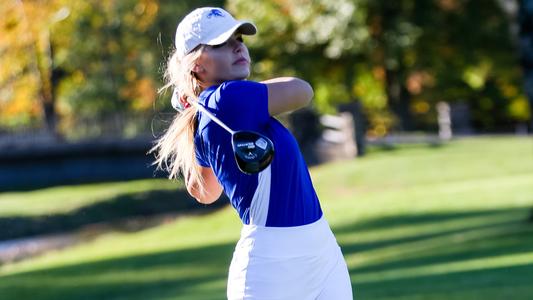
253, 151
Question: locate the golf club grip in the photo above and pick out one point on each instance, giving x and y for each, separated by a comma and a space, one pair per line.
212, 117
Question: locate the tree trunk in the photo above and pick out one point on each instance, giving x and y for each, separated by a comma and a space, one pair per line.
50, 78
398, 98
397, 93
526, 46
525, 18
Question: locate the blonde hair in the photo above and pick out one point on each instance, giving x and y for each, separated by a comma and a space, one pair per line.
175, 151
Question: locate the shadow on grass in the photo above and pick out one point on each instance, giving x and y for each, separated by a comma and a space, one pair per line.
421, 219
454, 239
499, 222
434, 263
492, 283
200, 272
389, 146
145, 204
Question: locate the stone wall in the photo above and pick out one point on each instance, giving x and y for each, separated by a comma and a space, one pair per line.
33, 165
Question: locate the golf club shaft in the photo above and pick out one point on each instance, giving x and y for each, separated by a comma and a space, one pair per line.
212, 117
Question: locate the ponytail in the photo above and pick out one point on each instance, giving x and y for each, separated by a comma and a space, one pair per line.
175, 150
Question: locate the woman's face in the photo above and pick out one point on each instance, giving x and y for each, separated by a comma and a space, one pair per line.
227, 61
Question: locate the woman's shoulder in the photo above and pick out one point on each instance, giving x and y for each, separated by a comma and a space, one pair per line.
236, 86
241, 100
232, 93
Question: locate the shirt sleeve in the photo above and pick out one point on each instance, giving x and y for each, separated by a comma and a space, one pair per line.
201, 158
244, 104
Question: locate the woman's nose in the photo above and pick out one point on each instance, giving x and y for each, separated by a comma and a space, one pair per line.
236, 45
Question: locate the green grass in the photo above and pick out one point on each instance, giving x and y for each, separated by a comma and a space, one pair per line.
445, 222
53, 210
65, 199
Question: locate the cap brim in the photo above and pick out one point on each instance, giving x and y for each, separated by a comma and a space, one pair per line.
243, 27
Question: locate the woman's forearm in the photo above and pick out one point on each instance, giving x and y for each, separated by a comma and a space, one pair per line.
287, 94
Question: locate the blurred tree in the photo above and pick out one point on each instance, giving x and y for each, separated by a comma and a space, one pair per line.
70, 60
403, 55
472, 60
526, 46
394, 32
28, 77
318, 39
109, 58
323, 41
82, 59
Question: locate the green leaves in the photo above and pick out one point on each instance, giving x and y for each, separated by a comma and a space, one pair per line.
400, 56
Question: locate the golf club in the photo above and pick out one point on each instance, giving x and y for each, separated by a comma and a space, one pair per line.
253, 151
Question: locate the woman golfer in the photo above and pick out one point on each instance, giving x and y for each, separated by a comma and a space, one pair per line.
286, 249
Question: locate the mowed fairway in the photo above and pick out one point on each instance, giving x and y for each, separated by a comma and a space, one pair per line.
448, 222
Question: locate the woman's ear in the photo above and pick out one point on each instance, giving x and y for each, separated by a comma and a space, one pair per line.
198, 69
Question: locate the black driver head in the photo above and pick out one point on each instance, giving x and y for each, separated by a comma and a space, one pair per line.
253, 151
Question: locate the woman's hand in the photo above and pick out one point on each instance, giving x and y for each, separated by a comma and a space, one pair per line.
213, 189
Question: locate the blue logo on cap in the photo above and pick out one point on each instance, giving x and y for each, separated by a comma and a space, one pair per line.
215, 13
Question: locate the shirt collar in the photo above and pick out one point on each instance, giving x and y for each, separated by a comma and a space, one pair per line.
206, 93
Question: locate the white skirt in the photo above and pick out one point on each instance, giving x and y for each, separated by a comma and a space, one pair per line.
296, 263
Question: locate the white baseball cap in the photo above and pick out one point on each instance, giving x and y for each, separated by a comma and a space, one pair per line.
208, 26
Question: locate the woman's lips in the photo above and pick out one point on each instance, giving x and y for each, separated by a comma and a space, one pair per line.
241, 61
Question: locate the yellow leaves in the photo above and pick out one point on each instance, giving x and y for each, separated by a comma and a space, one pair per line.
21, 104
146, 94
507, 89
142, 93
113, 46
97, 21
39, 15
14, 31
417, 80
420, 107
26, 62
131, 74
369, 88
379, 131
80, 33
328, 92
379, 73
19, 101
380, 123
519, 109
475, 76
18, 74
146, 11
142, 16
10, 18
78, 77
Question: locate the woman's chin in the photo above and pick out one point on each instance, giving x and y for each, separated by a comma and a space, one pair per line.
241, 76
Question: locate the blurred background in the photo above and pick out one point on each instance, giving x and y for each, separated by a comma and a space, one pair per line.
419, 140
